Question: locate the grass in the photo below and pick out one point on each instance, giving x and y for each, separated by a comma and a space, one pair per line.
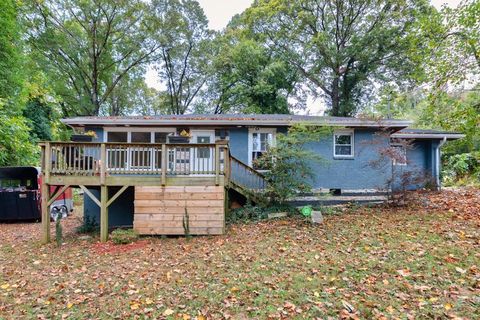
363, 263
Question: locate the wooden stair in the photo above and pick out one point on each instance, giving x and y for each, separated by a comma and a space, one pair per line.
245, 180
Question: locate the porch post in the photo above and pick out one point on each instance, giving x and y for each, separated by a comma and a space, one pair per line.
103, 213
45, 216
45, 192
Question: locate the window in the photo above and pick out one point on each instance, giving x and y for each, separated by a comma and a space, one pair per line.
343, 144
203, 153
259, 141
114, 136
399, 155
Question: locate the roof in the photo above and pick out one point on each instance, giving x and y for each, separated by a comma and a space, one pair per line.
232, 119
411, 133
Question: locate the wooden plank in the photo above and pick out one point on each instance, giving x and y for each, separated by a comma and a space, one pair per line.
179, 196
57, 194
180, 203
177, 217
177, 224
103, 214
180, 210
45, 213
116, 195
153, 189
180, 231
94, 199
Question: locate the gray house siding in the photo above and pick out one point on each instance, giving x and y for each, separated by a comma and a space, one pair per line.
120, 212
239, 143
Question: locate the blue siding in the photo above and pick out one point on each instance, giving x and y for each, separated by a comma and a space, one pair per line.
239, 143
98, 131
356, 173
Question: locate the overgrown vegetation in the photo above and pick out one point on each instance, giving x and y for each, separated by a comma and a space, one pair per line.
461, 169
89, 225
289, 163
123, 236
58, 231
251, 213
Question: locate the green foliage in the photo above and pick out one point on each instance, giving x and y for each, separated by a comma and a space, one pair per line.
180, 31
186, 224
15, 146
58, 231
248, 78
460, 168
123, 236
88, 226
340, 55
40, 117
10, 54
251, 213
92, 51
289, 162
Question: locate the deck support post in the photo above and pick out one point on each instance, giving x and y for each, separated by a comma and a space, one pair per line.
45, 214
103, 213
217, 164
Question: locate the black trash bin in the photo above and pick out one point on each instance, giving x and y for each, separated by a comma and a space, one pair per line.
19, 194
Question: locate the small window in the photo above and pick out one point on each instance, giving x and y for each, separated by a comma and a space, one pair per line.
117, 136
399, 155
141, 137
343, 144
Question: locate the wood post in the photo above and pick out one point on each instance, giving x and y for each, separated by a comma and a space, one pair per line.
103, 163
48, 162
217, 164
45, 214
103, 213
164, 164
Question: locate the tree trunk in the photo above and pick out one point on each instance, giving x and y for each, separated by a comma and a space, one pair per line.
335, 98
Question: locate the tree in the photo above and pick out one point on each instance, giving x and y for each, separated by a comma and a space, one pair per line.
247, 78
10, 55
344, 49
185, 46
453, 52
88, 47
15, 147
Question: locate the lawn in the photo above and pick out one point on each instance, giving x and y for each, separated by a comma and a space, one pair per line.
422, 261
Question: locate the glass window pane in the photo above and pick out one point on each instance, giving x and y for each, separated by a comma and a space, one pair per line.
343, 139
203, 153
117, 136
141, 137
161, 137
343, 150
255, 142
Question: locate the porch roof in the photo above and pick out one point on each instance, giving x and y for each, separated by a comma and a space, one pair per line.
410, 133
273, 120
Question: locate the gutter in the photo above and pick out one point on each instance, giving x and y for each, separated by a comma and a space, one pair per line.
439, 186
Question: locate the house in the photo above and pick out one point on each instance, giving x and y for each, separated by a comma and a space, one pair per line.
168, 174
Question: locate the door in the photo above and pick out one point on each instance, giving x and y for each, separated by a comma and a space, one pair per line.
203, 157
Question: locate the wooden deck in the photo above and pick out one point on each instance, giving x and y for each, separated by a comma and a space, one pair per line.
160, 167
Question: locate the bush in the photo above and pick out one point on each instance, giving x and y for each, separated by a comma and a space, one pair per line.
461, 167
88, 226
256, 213
122, 236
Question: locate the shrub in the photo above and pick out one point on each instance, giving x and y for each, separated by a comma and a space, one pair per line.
256, 213
88, 226
124, 236
58, 232
461, 167
289, 162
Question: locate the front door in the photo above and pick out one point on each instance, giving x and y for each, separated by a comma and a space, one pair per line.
202, 157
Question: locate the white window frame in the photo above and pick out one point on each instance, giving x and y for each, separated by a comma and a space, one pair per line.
129, 131
404, 149
251, 131
344, 132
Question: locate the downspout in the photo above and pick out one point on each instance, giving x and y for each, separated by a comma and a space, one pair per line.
437, 169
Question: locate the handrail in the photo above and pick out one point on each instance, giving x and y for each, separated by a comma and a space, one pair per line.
107, 158
245, 176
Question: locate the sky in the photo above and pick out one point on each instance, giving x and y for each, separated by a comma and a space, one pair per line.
219, 13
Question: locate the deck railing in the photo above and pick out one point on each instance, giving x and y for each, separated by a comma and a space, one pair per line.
246, 177
92, 159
